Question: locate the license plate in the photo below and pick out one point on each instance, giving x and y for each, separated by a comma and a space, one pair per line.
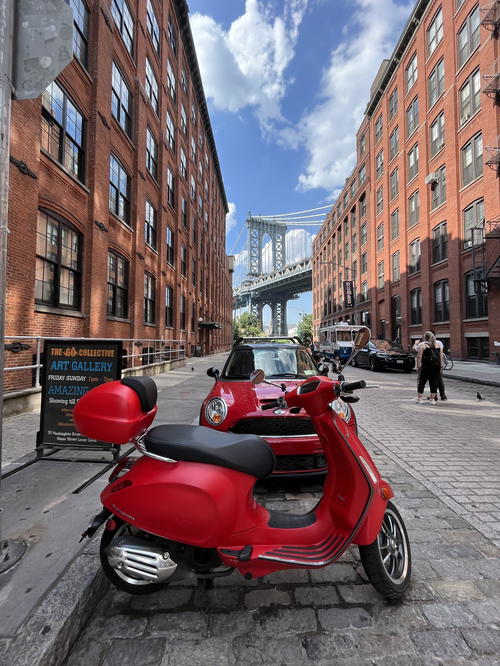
399, 361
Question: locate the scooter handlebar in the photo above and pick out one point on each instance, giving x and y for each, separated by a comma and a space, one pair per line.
271, 405
349, 387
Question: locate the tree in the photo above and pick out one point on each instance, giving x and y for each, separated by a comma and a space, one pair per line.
247, 325
305, 329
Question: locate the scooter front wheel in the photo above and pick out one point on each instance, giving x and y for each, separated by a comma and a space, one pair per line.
387, 561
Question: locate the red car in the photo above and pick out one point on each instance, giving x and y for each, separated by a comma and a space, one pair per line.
234, 403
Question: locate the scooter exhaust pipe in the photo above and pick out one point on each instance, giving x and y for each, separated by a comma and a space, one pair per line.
138, 560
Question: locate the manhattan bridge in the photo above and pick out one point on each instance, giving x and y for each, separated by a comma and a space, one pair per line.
275, 264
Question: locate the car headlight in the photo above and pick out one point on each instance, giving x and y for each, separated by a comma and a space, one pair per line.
216, 411
341, 408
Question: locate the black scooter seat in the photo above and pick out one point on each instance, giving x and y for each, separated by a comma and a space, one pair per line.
246, 453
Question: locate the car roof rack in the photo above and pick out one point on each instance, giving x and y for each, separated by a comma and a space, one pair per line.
275, 338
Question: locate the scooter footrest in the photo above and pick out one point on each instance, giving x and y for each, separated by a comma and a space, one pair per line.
317, 555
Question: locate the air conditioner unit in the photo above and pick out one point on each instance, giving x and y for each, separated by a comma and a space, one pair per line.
432, 178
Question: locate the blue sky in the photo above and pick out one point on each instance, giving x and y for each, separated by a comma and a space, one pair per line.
287, 82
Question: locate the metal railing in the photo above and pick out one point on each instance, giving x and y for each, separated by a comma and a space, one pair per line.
138, 352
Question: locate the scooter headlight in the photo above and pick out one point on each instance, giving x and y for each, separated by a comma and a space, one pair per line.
216, 411
341, 408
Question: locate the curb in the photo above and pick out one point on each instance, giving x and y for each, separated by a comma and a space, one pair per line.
47, 635
471, 380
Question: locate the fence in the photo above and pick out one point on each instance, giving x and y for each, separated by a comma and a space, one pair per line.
24, 357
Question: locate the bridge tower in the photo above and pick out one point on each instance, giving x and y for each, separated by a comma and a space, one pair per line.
257, 230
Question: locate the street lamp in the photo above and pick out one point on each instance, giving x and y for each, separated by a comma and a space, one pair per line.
334, 263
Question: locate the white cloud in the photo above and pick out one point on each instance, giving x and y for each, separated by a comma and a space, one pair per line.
328, 131
231, 218
245, 65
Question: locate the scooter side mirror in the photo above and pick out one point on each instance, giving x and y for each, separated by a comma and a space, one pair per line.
213, 372
362, 337
257, 376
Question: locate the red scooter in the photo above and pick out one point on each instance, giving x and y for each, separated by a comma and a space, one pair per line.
187, 503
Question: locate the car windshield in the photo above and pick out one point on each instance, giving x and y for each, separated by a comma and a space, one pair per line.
276, 362
385, 345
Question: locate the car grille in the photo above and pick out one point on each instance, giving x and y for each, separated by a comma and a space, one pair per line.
299, 463
274, 427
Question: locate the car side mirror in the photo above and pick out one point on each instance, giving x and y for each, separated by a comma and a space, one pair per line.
362, 337
257, 376
323, 370
213, 372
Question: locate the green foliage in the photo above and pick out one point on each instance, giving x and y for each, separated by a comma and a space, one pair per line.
247, 325
305, 329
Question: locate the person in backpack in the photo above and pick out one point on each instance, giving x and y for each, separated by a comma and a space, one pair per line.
429, 364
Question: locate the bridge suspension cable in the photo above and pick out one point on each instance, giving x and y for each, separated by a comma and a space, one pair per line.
299, 212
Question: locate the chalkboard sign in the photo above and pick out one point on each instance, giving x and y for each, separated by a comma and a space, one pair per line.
70, 369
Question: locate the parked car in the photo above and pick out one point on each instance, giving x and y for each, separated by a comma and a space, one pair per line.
234, 403
385, 355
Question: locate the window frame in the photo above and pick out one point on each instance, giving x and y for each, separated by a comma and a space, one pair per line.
150, 224
80, 30
473, 96
151, 86
151, 154
123, 17
474, 206
437, 142
476, 162
464, 53
476, 303
415, 196
435, 83
395, 266
414, 256
434, 41
440, 242
119, 294
149, 311
441, 289
411, 72
416, 308
170, 245
412, 117
153, 28
169, 307
122, 200
438, 189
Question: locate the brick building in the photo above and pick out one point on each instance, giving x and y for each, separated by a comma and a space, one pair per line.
417, 223
117, 205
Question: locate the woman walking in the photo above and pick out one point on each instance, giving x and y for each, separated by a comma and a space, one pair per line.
429, 364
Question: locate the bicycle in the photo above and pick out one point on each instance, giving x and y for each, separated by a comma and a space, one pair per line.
448, 362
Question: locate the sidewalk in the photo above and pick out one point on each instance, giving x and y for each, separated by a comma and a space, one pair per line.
477, 373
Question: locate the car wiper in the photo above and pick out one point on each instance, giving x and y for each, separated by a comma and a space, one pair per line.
286, 374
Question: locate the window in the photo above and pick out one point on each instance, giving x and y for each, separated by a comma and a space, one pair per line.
80, 30
394, 183
395, 267
435, 32
414, 256
380, 236
476, 298
193, 272
170, 132
413, 209
153, 28
379, 163
436, 83
183, 261
193, 114
151, 86
380, 275
183, 120
440, 243
121, 101
468, 36
150, 225
149, 298
354, 243
364, 263
171, 86
170, 247
413, 162
380, 199
183, 164
184, 80
378, 128
193, 316
441, 301
170, 188
415, 306
394, 143
469, 97
193, 189
395, 224
58, 257
124, 23
412, 117
193, 149
172, 35
363, 233
364, 290
63, 130
362, 144
472, 159
474, 224
411, 72
119, 190
184, 213
437, 134
478, 347
438, 188
393, 103
346, 251
169, 307
362, 206
117, 298
151, 154
182, 312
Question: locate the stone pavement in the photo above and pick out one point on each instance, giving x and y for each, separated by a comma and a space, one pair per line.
441, 463
487, 373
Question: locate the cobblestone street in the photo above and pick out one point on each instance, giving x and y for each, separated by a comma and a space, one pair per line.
333, 616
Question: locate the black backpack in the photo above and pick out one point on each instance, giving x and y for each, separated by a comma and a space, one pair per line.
431, 358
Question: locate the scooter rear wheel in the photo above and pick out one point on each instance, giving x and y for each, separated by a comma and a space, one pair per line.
119, 580
387, 561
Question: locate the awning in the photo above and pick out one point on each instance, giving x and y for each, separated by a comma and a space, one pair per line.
211, 325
